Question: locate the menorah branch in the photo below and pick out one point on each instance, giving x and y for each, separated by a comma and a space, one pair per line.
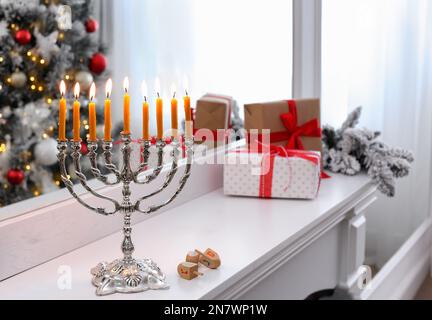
145, 154
182, 182
160, 145
62, 154
107, 151
171, 174
92, 155
76, 156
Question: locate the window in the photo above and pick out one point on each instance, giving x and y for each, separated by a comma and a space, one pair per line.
244, 48
241, 48
377, 54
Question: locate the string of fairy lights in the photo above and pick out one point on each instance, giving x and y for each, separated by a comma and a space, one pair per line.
34, 84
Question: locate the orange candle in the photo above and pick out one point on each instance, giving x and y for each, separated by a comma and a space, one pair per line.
92, 114
76, 115
159, 111
188, 116
174, 113
107, 111
126, 107
62, 113
159, 117
145, 114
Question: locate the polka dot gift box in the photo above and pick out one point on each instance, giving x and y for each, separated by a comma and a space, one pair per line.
278, 173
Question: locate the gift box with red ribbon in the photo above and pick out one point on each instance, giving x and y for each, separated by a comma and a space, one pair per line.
273, 173
294, 124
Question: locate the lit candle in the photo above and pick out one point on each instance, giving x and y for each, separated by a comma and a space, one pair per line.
107, 110
159, 111
126, 107
188, 114
174, 113
145, 113
76, 114
62, 113
92, 114
187, 109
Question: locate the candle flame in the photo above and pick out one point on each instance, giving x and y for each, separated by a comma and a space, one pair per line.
157, 86
144, 90
108, 88
62, 88
92, 91
173, 90
126, 84
77, 90
186, 84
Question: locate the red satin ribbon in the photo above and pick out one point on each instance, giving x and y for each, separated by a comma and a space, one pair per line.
266, 180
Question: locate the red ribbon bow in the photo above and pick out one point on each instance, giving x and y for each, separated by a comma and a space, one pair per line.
294, 132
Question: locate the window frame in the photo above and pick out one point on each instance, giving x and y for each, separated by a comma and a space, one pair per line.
307, 20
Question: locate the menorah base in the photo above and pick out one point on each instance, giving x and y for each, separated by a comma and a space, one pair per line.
127, 276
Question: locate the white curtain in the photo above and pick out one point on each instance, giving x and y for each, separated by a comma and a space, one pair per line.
223, 46
103, 12
378, 54
150, 39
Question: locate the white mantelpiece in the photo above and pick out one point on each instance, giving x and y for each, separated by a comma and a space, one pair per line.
292, 247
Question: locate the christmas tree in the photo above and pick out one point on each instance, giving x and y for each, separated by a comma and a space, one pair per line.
41, 43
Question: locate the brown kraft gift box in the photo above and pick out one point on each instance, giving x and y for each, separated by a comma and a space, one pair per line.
266, 115
212, 113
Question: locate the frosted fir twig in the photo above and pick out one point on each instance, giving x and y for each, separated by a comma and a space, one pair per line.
350, 150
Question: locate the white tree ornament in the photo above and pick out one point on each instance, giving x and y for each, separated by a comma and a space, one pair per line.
46, 45
46, 152
3, 29
64, 17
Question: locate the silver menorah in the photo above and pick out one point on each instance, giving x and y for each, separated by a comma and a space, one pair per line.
126, 275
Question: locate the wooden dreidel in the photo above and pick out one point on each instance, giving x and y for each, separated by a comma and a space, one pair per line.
188, 270
193, 257
209, 258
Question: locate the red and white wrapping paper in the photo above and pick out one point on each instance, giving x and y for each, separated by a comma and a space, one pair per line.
288, 174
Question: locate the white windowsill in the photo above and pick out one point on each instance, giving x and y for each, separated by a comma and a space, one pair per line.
246, 232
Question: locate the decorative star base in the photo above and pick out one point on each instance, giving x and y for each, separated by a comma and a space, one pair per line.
127, 276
